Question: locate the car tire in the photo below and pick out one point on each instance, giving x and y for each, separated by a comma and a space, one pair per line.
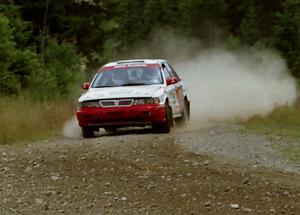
185, 115
87, 132
166, 126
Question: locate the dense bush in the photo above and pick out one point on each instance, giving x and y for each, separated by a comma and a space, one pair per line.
54, 79
62, 64
8, 80
45, 76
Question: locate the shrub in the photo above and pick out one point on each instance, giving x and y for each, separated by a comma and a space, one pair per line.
62, 66
8, 81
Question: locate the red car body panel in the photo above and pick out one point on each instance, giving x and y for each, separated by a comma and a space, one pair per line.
136, 115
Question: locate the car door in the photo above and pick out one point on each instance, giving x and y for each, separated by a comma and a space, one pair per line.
170, 90
179, 98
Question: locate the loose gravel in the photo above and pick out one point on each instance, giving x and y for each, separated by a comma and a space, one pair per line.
138, 172
231, 142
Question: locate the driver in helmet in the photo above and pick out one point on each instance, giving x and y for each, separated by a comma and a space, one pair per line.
119, 77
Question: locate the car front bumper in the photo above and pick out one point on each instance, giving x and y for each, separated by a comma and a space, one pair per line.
138, 115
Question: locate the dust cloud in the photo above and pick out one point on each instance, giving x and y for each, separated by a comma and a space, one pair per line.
71, 128
228, 85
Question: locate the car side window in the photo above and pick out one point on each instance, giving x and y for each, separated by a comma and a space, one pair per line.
172, 71
166, 71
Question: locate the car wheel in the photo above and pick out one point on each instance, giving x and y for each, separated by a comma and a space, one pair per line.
185, 115
166, 126
87, 132
110, 129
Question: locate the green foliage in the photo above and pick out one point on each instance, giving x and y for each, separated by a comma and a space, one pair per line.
63, 64
21, 67
249, 30
55, 78
103, 30
287, 34
26, 63
8, 81
233, 43
20, 29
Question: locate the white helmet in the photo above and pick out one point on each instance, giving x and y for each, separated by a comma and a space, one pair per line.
119, 77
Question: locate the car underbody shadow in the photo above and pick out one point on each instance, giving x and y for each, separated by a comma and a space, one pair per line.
125, 131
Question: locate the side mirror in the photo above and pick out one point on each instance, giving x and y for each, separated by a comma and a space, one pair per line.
171, 80
86, 86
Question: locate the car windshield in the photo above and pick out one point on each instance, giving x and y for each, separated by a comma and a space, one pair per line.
128, 76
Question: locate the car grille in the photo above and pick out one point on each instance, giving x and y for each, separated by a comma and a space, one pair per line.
116, 103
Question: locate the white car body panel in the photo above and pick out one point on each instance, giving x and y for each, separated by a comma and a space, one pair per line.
144, 91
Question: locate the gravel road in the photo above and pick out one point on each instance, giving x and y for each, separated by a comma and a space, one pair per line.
192, 170
230, 142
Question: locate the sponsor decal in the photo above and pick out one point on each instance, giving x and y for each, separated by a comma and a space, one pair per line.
108, 68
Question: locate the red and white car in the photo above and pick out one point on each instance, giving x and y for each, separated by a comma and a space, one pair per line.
133, 93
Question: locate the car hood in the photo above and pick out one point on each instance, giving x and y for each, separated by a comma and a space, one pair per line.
120, 92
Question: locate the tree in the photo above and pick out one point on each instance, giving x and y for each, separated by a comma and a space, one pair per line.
20, 29
8, 81
287, 34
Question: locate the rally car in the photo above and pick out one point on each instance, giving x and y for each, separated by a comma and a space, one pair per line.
132, 93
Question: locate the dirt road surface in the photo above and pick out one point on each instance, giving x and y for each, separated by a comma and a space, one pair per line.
192, 170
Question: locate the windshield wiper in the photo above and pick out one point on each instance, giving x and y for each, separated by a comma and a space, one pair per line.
132, 84
105, 86
123, 85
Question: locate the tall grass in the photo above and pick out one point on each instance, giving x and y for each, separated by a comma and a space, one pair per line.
283, 122
24, 120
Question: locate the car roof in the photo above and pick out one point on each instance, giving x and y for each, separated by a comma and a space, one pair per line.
135, 61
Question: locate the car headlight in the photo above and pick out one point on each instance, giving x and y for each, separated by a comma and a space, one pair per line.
89, 104
146, 101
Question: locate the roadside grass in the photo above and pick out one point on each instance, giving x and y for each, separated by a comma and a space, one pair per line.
24, 120
283, 122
